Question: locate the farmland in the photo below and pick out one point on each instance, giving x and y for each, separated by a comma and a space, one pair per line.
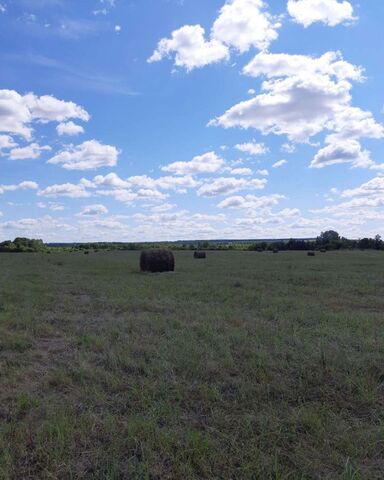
245, 365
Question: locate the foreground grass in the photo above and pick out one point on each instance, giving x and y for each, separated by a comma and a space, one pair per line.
243, 366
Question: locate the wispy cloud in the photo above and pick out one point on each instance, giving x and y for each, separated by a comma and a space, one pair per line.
73, 76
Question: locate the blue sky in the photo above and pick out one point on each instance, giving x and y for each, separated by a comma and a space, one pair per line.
139, 120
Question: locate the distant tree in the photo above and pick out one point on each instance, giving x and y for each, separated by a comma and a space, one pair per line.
328, 236
378, 242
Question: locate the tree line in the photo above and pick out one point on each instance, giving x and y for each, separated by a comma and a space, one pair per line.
328, 240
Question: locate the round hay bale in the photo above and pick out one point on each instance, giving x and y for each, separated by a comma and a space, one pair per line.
275, 250
199, 255
157, 261
311, 254
323, 250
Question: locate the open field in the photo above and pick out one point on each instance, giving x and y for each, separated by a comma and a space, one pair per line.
243, 366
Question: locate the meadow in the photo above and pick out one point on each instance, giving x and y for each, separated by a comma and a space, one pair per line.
243, 366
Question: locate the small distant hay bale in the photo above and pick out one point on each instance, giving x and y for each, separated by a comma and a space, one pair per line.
311, 254
157, 261
275, 250
199, 255
86, 252
323, 250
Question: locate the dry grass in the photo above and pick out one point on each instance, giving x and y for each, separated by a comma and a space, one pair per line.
246, 366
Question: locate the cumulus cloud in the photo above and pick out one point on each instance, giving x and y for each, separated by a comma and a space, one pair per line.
17, 112
179, 183
206, 163
190, 48
69, 128
29, 152
65, 190
302, 97
93, 210
373, 187
274, 65
251, 201
90, 155
25, 185
241, 24
343, 151
229, 185
252, 148
330, 12
6, 142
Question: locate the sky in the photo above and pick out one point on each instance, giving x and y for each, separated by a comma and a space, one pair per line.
150, 120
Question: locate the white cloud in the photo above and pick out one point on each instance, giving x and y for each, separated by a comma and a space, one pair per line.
228, 185
274, 65
241, 171
296, 107
129, 196
17, 112
303, 98
241, 24
65, 190
25, 185
263, 172
206, 163
288, 148
344, 151
29, 152
111, 180
56, 207
93, 210
6, 142
251, 201
117, 28
89, 155
190, 48
373, 187
279, 164
179, 183
121, 195
330, 12
48, 109
37, 227
252, 148
69, 128
165, 207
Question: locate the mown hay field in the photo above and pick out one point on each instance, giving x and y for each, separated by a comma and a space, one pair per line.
243, 366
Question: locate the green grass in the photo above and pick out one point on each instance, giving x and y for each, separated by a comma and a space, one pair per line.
244, 366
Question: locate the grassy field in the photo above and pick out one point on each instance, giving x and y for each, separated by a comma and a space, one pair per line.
244, 366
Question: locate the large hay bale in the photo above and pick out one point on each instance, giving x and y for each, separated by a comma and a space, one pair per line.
199, 255
157, 261
311, 254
